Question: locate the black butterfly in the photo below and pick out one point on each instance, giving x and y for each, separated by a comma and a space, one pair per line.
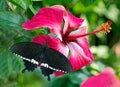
48, 59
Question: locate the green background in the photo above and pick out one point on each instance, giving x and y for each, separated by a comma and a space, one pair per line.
13, 13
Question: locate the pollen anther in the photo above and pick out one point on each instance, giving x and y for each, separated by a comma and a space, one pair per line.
105, 28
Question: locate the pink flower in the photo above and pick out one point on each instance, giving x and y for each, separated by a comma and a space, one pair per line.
71, 36
104, 79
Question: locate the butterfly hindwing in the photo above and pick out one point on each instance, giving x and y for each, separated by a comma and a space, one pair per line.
46, 71
29, 66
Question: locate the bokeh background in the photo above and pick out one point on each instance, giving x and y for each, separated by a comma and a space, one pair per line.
106, 48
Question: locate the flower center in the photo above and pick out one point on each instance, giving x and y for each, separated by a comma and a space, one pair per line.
66, 35
104, 28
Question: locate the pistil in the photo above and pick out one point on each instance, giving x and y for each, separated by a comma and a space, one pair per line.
104, 28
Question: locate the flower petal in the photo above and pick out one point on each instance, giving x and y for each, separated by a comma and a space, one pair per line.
58, 7
74, 22
79, 32
104, 79
83, 43
46, 17
53, 43
79, 49
79, 55
71, 22
59, 73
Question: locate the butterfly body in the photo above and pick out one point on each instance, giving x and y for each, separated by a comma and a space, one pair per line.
35, 55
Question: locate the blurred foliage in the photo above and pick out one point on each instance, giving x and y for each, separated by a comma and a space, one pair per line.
104, 47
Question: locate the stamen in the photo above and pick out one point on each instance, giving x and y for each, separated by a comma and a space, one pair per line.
104, 28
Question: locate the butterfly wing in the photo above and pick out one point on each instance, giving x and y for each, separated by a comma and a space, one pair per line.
50, 59
54, 61
29, 66
57, 61
28, 51
46, 71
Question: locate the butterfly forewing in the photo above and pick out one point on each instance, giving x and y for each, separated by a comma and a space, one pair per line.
28, 51
57, 60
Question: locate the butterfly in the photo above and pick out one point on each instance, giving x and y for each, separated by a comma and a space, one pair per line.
47, 59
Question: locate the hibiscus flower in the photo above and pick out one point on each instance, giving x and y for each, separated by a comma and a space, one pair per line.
70, 37
105, 79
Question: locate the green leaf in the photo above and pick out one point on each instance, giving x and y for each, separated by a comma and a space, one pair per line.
4, 66
2, 4
16, 63
78, 78
24, 4
9, 65
10, 20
